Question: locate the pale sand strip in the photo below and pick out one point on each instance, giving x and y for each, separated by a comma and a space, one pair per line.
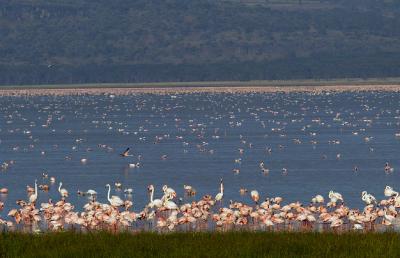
207, 89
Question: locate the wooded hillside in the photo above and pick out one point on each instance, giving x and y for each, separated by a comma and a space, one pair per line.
82, 41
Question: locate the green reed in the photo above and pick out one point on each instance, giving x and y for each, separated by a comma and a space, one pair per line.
232, 244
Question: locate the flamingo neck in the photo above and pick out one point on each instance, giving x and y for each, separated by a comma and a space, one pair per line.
35, 188
59, 187
222, 188
152, 195
108, 194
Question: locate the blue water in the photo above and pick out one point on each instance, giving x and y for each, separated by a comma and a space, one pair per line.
201, 136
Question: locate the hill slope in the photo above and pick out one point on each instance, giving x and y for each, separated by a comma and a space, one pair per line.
81, 41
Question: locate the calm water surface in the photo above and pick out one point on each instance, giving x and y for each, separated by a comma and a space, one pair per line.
201, 134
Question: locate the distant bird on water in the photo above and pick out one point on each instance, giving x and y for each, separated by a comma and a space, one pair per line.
125, 153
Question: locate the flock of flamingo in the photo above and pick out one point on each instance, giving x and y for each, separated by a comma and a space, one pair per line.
165, 214
165, 210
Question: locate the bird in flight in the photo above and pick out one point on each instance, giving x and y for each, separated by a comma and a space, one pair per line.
125, 153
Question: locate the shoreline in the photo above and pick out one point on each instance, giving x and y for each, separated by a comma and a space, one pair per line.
313, 86
195, 89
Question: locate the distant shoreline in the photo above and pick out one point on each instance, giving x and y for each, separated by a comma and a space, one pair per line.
317, 86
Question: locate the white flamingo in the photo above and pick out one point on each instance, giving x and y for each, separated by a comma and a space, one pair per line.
368, 198
91, 192
335, 196
33, 197
220, 195
63, 191
389, 192
114, 200
128, 191
169, 191
255, 196
389, 219
154, 203
318, 199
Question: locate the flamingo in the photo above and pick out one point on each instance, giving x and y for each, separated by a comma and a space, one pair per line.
115, 201
33, 197
335, 196
169, 191
336, 222
154, 203
318, 199
389, 192
91, 192
388, 219
128, 191
63, 191
189, 190
358, 226
368, 198
255, 196
220, 195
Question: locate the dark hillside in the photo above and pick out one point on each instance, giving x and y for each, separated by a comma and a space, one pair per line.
81, 41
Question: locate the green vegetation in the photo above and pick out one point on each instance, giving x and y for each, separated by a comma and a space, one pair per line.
86, 41
234, 244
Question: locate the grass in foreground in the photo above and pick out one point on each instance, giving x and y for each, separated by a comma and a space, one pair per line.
234, 244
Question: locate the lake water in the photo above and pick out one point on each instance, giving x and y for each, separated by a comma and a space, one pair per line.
201, 134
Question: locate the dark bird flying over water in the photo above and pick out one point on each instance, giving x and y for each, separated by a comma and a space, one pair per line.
125, 153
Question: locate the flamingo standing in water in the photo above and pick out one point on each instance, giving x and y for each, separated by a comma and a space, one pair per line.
153, 203
33, 197
62, 191
317, 199
189, 190
114, 200
92, 194
169, 191
255, 196
334, 196
368, 198
389, 192
220, 195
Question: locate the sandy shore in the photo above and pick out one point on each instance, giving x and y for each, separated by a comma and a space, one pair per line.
209, 89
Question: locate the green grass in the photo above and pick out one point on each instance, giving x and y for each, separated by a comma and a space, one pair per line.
233, 244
